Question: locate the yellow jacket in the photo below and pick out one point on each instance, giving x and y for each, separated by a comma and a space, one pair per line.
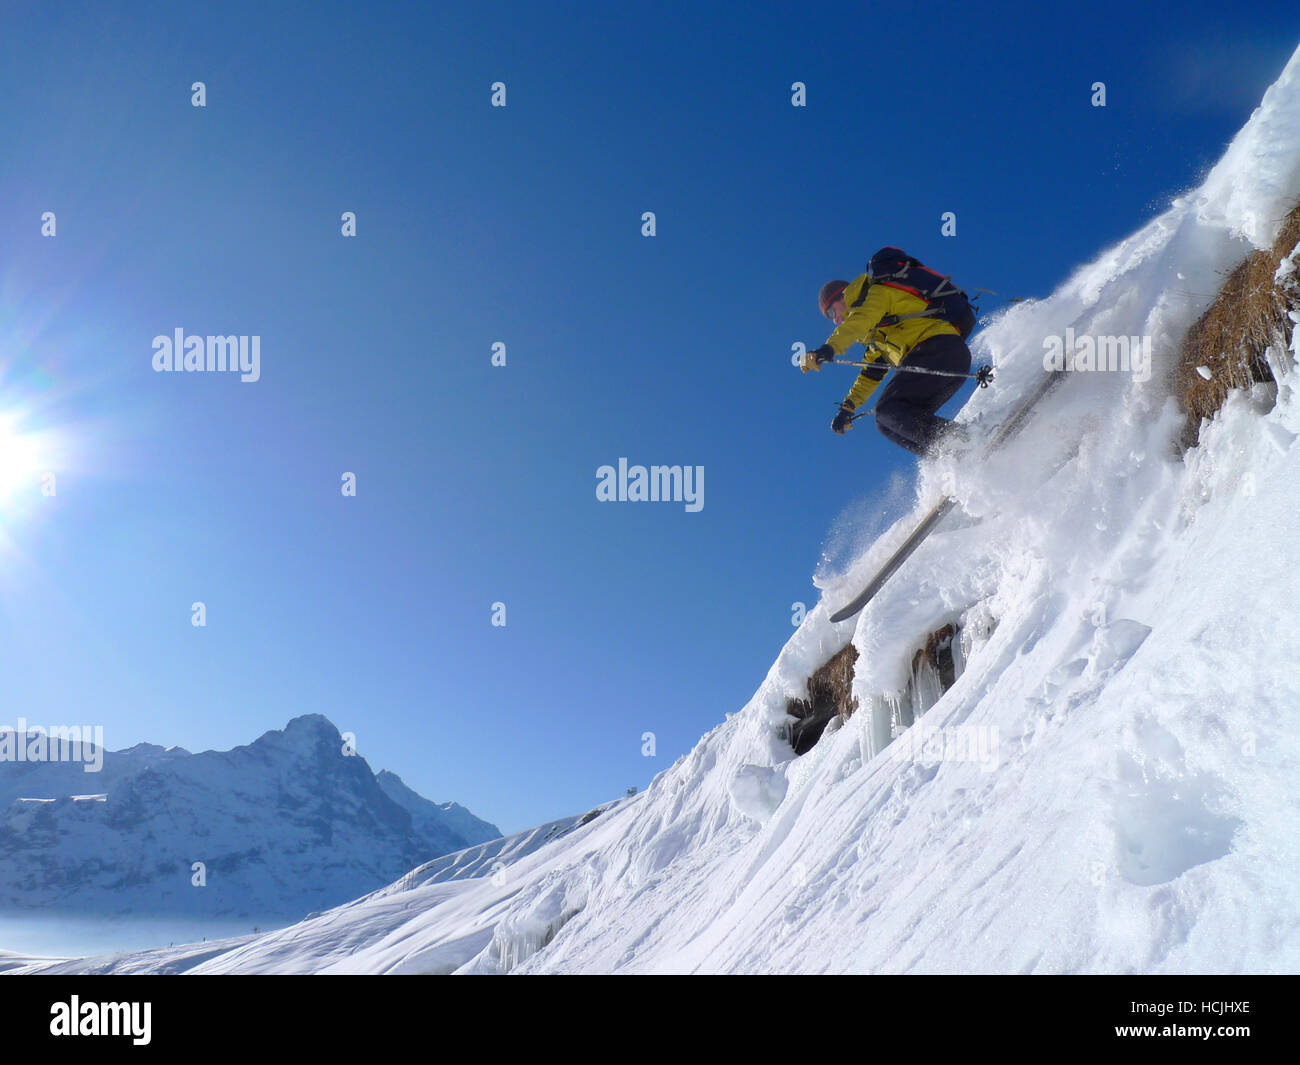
861, 325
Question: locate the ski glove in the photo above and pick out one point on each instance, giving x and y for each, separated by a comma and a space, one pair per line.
844, 419
812, 360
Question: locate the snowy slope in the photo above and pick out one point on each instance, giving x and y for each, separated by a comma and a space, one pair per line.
429, 921
1128, 674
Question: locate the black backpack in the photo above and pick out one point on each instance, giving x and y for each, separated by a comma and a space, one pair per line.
895, 268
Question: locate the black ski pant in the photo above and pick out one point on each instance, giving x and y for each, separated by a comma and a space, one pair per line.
905, 410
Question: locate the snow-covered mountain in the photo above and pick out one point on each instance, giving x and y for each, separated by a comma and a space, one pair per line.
1109, 779
290, 823
448, 822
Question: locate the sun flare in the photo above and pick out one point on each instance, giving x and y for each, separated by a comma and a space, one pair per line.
20, 458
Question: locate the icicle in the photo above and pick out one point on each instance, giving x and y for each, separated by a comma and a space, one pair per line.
895, 707
927, 688
876, 726
959, 652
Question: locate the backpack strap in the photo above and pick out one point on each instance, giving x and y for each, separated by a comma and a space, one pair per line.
884, 279
862, 296
945, 287
894, 319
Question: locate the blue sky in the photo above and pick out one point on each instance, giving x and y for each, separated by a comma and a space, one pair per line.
522, 224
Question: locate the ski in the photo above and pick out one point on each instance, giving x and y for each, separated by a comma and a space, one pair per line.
1008, 429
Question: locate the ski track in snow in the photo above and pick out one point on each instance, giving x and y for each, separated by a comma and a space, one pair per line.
1139, 814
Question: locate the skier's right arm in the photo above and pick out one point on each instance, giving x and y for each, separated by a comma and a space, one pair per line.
860, 323
859, 327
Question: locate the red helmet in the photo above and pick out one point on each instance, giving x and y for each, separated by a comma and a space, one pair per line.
831, 291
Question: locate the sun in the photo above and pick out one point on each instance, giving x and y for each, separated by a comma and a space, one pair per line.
20, 457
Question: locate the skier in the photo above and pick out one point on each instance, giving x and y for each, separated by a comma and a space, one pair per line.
894, 310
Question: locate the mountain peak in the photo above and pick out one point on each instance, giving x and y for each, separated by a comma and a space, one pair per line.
313, 724
307, 733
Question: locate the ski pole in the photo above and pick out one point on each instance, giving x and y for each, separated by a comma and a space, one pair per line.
983, 375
